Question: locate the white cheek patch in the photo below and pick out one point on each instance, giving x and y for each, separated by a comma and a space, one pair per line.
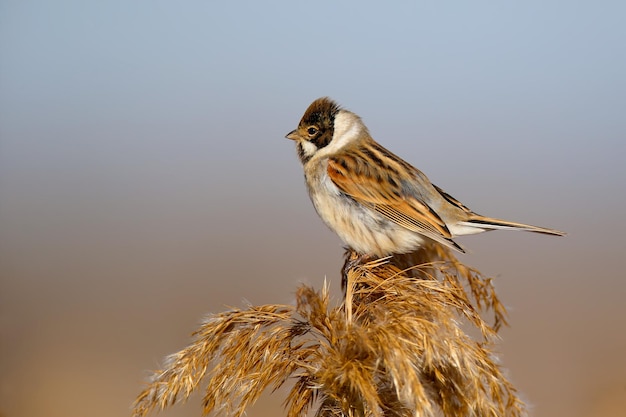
308, 148
348, 127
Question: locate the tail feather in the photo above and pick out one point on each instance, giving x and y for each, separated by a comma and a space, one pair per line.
481, 223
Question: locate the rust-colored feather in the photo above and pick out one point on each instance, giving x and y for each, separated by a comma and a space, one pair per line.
385, 196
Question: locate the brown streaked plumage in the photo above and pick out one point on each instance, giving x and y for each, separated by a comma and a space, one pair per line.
376, 202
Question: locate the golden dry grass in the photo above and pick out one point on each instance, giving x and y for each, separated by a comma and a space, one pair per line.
394, 347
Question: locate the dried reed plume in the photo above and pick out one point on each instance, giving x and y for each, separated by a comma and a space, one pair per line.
394, 347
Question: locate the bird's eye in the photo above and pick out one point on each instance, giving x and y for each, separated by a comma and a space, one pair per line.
312, 130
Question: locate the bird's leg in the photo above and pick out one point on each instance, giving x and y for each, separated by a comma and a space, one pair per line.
353, 260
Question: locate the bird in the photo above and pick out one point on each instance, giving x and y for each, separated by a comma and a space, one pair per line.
376, 202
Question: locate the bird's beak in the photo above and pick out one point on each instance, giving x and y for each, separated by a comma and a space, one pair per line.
293, 135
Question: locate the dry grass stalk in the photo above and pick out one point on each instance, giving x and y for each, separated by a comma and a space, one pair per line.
396, 349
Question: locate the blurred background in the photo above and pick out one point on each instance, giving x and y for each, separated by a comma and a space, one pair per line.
145, 180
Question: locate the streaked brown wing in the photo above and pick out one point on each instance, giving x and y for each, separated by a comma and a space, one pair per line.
453, 200
384, 194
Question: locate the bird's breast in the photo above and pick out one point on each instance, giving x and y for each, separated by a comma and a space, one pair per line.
361, 228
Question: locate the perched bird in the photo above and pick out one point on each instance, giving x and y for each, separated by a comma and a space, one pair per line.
377, 203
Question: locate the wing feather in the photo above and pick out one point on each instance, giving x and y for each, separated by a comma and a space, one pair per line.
453, 200
382, 192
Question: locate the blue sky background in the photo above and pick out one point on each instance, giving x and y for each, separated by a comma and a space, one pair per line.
145, 181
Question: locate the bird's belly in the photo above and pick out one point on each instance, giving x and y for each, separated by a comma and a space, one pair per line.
362, 229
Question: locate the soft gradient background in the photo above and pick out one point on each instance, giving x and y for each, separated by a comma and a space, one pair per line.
145, 181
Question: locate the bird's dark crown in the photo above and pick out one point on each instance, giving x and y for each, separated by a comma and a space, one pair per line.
321, 111
320, 115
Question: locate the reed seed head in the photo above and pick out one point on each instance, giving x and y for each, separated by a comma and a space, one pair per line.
394, 347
